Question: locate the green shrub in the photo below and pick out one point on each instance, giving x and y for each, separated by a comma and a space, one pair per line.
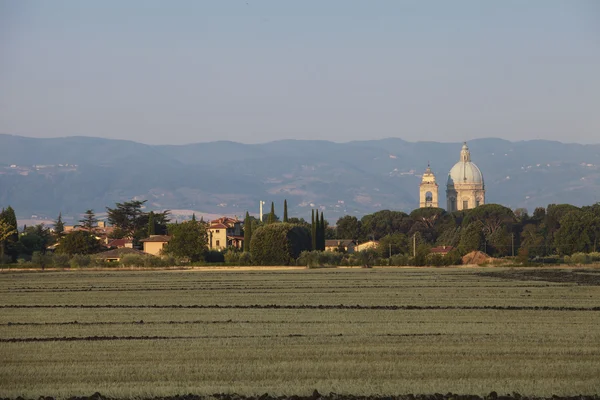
399, 260
132, 260
60, 260
214, 256
580, 258
279, 244
317, 258
80, 261
153, 261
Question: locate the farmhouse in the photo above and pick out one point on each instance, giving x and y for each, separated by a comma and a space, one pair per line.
342, 245
225, 232
155, 243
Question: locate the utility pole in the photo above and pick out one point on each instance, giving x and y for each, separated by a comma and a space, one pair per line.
390, 250
414, 245
512, 237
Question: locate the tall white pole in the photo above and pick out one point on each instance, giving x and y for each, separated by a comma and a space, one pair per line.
261, 209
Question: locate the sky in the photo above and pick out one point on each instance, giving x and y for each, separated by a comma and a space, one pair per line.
253, 71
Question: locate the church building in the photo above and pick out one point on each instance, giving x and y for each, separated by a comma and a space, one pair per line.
465, 188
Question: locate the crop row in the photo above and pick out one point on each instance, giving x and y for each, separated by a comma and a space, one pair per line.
308, 307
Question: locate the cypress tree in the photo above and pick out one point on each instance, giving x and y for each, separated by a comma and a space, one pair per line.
285, 212
322, 227
151, 224
313, 231
194, 217
271, 218
247, 232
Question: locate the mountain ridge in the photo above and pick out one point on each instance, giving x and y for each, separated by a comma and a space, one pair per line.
71, 174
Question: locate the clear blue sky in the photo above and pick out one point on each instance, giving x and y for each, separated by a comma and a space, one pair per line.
253, 71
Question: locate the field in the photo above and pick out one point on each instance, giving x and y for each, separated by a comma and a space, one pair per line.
349, 331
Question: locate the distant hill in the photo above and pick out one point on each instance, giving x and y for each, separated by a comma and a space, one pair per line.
44, 176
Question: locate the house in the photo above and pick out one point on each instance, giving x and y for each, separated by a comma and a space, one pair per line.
370, 244
155, 243
225, 232
115, 255
342, 245
443, 250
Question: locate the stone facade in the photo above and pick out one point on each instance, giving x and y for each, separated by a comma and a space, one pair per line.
428, 190
465, 188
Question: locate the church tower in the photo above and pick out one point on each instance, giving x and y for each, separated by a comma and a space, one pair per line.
428, 190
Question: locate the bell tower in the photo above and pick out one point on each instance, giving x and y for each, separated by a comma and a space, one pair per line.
428, 190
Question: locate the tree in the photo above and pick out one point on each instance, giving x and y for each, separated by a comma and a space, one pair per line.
471, 238
89, 221
59, 226
78, 242
322, 229
377, 225
130, 221
271, 218
313, 231
279, 244
247, 232
285, 211
348, 227
36, 238
8, 216
188, 240
6, 231
576, 233
392, 244
152, 224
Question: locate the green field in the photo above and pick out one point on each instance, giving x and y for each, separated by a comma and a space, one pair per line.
349, 331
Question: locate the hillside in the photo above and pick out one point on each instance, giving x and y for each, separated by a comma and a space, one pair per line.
44, 176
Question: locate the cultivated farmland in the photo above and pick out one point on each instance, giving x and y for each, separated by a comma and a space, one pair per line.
361, 332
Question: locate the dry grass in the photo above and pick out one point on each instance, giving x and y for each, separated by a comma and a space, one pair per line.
293, 351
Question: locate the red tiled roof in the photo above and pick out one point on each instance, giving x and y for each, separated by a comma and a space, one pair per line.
218, 226
441, 249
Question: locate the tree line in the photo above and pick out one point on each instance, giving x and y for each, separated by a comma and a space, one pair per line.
555, 231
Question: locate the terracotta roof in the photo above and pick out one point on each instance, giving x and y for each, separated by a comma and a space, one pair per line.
441, 249
338, 242
218, 226
118, 253
157, 238
118, 242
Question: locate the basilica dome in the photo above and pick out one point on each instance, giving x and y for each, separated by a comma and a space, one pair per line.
465, 171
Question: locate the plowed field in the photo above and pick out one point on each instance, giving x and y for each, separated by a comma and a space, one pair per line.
365, 332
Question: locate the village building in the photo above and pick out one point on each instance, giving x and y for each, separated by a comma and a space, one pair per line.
154, 244
341, 245
225, 232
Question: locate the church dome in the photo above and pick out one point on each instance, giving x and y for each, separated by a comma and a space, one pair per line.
465, 171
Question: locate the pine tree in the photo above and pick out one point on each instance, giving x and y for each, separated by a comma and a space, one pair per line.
151, 224
285, 212
89, 220
59, 225
247, 232
313, 231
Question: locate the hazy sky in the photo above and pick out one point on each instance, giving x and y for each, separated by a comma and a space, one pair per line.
254, 71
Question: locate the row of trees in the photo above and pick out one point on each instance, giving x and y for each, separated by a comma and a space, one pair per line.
559, 229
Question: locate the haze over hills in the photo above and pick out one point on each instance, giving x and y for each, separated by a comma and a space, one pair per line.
43, 177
